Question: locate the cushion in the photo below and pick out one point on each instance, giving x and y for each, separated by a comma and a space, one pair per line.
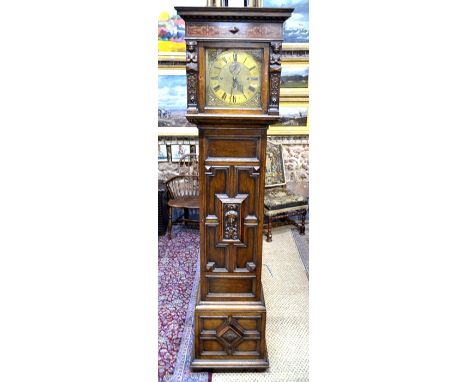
280, 198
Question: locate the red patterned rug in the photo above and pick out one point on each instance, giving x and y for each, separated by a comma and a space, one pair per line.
177, 280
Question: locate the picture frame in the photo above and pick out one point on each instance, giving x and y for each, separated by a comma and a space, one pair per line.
162, 153
178, 151
294, 119
294, 80
171, 28
172, 102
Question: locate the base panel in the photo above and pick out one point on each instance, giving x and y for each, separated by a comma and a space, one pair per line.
230, 336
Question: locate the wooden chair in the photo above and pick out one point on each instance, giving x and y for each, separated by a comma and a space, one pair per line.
281, 203
188, 164
184, 194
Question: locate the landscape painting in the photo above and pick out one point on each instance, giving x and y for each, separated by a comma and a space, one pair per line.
172, 99
293, 115
295, 76
296, 28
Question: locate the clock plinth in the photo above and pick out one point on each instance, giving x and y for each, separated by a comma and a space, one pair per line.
233, 80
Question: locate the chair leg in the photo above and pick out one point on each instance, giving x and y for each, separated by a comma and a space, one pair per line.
186, 216
302, 229
269, 235
169, 224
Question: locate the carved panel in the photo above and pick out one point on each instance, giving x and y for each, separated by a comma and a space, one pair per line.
231, 211
231, 221
241, 149
192, 76
275, 77
234, 30
234, 334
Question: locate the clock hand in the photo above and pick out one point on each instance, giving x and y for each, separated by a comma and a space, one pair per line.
234, 85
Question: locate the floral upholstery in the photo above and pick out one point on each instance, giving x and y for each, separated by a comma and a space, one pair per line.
281, 203
281, 198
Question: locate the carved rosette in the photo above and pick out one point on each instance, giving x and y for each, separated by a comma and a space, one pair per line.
192, 76
230, 334
275, 77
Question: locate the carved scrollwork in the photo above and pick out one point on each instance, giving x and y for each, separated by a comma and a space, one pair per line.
246, 30
192, 76
231, 221
275, 77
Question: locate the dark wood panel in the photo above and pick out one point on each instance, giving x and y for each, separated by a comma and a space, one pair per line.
248, 346
234, 31
214, 253
247, 253
233, 148
230, 285
212, 346
216, 183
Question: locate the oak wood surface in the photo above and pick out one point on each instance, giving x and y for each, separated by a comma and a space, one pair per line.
230, 315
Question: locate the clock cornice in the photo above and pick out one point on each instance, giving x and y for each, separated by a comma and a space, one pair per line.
234, 14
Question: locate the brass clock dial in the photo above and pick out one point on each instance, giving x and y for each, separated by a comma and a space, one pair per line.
234, 78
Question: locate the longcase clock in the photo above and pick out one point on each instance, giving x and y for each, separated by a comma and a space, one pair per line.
233, 84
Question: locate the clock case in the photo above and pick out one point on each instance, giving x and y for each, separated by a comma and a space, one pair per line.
230, 312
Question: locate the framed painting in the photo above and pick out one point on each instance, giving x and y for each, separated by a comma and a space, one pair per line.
293, 119
178, 151
294, 80
296, 28
171, 32
172, 102
162, 153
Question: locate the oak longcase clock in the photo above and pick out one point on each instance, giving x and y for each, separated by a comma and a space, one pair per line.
233, 63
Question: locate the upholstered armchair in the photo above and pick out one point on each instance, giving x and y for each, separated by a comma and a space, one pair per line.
281, 204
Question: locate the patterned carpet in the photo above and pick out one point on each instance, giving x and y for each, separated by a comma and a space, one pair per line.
177, 280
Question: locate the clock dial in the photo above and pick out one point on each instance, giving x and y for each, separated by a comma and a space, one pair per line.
234, 79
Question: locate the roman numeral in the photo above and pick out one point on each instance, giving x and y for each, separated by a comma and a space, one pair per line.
224, 96
214, 78
245, 60
233, 99
217, 67
216, 88
234, 56
224, 59
252, 78
252, 88
252, 68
